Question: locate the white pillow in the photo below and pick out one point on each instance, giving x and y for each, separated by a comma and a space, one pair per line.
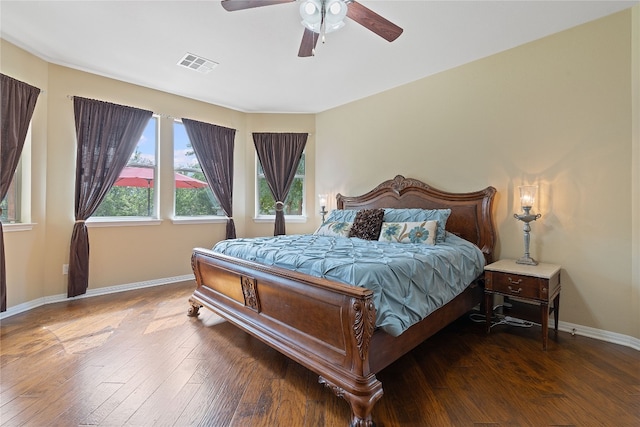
409, 232
336, 229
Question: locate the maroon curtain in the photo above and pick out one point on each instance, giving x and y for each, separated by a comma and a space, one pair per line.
279, 155
18, 103
213, 146
107, 135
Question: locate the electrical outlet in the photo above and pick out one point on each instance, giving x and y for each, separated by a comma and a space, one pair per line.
65, 268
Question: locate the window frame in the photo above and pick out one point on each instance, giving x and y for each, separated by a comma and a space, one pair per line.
22, 181
15, 191
190, 219
154, 218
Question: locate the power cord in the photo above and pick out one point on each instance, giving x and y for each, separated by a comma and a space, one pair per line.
500, 319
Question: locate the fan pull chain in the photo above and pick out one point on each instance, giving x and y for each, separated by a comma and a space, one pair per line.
313, 49
323, 21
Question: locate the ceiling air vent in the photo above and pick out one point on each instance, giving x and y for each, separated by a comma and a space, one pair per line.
197, 63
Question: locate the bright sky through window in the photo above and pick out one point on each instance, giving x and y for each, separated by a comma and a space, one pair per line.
180, 143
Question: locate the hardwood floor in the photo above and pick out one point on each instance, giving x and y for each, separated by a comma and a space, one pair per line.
136, 359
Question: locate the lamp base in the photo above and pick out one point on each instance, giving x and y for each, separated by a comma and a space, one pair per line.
527, 260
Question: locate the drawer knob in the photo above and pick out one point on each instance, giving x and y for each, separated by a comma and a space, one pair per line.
514, 282
514, 291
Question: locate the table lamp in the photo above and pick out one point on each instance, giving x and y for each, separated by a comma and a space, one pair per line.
527, 200
323, 205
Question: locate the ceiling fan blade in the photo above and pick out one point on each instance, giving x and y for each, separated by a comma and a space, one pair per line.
374, 22
309, 40
231, 5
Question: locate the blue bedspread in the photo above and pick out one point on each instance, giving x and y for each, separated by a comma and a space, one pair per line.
409, 281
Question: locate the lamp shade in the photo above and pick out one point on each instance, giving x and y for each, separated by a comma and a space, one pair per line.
336, 10
322, 198
528, 195
311, 12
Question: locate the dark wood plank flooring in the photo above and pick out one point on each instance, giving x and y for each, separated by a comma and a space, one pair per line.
136, 359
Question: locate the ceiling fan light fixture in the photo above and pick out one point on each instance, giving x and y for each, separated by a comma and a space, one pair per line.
336, 11
312, 12
310, 8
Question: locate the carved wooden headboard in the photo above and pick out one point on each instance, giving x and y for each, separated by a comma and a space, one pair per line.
471, 213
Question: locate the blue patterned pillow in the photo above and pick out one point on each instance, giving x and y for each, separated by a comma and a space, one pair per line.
341, 215
409, 232
336, 229
400, 215
420, 215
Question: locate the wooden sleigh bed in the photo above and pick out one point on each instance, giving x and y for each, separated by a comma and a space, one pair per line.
329, 327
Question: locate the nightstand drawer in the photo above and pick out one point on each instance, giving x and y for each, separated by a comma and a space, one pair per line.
517, 285
531, 284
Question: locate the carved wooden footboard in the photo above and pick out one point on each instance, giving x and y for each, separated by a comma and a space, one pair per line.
325, 326
329, 327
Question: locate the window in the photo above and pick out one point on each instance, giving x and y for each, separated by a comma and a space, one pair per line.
11, 203
193, 196
133, 193
295, 201
15, 206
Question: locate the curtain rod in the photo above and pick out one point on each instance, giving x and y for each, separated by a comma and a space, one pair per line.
163, 115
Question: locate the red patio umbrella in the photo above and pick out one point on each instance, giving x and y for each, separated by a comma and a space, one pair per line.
133, 176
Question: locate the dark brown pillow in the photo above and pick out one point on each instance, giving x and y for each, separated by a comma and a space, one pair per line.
367, 224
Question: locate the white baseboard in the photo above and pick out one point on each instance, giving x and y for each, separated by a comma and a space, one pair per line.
598, 334
30, 305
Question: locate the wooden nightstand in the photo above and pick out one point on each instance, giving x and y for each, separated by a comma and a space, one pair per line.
533, 284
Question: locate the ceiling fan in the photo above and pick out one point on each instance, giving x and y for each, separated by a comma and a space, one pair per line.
324, 16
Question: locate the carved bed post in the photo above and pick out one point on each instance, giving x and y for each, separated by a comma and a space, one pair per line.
365, 389
194, 309
361, 405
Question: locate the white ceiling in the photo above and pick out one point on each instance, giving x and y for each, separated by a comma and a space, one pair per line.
141, 41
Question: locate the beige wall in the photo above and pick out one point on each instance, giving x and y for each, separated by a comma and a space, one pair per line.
121, 255
132, 254
555, 112
23, 250
561, 112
